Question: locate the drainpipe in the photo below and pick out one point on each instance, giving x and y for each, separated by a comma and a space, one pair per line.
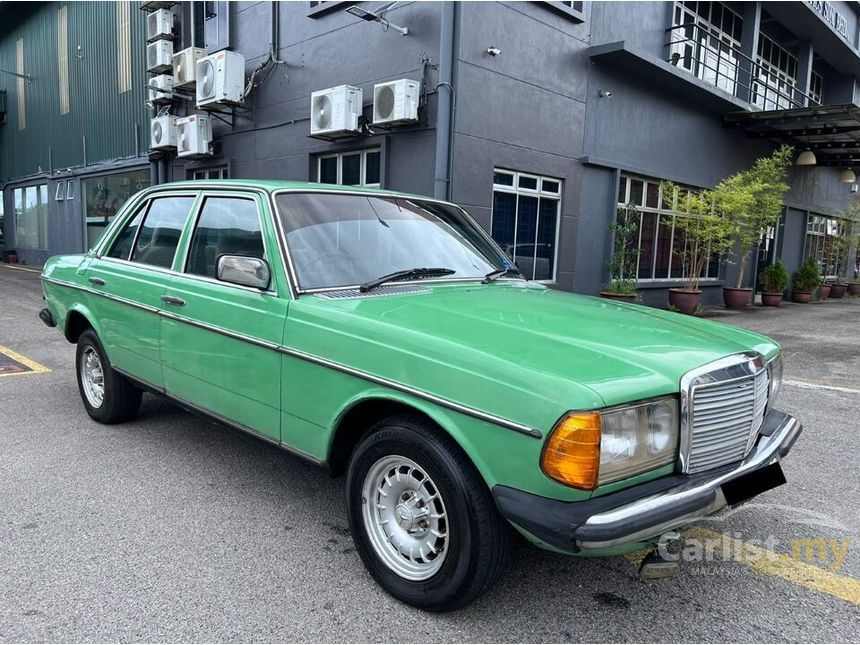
276, 28
445, 102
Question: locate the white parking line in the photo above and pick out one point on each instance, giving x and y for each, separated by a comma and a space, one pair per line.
820, 386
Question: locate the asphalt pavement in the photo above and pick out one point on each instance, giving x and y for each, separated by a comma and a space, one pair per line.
172, 528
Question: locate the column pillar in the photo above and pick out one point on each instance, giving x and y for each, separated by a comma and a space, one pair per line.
749, 48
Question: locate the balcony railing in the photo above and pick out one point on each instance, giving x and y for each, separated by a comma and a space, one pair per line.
716, 59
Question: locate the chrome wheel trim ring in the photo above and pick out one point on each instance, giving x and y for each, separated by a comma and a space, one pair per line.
405, 518
92, 377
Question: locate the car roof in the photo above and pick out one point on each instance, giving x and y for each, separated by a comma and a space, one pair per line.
272, 185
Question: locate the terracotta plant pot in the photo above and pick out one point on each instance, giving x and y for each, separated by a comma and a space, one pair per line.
621, 297
801, 296
854, 289
838, 290
772, 299
823, 291
685, 301
737, 298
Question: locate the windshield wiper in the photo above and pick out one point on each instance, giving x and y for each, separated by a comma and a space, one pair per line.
493, 275
402, 275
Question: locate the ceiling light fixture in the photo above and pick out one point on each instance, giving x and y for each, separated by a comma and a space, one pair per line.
847, 176
806, 158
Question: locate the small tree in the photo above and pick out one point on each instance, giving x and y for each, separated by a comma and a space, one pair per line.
807, 277
623, 265
774, 278
753, 201
707, 231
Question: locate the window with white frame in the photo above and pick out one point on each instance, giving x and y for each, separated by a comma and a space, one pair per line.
210, 173
776, 76
353, 168
661, 244
705, 40
822, 243
816, 87
525, 220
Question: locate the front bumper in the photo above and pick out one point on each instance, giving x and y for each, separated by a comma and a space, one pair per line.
641, 513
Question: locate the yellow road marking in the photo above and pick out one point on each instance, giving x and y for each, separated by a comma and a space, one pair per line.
769, 563
36, 368
783, 566
17, 268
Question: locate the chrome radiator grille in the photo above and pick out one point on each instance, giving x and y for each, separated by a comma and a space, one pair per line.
724, 419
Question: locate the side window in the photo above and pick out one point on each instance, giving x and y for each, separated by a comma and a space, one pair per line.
122, 244
159, 234
227, 226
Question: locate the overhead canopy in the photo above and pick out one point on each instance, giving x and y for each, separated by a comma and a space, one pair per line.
832, 132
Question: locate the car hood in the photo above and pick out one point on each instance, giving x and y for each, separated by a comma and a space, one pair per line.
569, 349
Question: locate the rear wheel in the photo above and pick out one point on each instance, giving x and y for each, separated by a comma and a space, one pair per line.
422, 518
108, 396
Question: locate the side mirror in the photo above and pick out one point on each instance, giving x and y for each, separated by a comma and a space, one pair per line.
244, 270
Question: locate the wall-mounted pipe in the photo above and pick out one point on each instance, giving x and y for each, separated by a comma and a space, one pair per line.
445, 101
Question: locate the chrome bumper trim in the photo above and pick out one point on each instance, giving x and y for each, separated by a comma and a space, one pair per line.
700, 498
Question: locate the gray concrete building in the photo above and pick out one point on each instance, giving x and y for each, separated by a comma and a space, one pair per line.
540, 118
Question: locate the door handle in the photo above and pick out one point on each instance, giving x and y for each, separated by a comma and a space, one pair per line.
173, 300
97, 281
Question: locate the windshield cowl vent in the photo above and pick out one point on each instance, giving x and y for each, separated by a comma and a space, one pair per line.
379, 292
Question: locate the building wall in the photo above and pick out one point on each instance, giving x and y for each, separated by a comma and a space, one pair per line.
103, 128
522, 110
332, 48
102, 123
651, 130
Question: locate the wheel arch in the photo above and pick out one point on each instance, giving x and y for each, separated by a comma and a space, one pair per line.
362, 412
78, 320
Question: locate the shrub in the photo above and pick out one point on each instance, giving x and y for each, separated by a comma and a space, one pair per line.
807, 277
775, 278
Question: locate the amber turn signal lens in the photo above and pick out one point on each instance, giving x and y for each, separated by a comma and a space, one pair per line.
572, 452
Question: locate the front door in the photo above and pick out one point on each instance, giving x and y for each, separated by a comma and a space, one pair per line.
131, 277
218, 339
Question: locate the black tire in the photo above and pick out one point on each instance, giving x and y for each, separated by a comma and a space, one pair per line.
480, 539
121, 400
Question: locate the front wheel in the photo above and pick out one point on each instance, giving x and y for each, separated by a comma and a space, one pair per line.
108, 396
422, 519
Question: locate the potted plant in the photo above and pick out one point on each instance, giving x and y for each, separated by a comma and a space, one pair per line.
706, 231
841, 245
623, 265
774, 281
806, 279
753, 200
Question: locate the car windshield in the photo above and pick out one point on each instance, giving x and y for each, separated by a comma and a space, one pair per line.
344, 240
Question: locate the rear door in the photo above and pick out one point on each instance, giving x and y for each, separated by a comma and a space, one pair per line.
219, 340
131, 276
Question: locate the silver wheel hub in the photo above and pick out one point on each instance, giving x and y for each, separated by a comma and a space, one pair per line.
405, 518
92, 377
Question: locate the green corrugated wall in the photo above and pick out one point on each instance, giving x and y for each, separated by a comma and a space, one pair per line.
99, 114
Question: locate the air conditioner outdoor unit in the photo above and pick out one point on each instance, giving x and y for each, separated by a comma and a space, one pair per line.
194, 134
155, 4
159, 25
164, 83
220, 79
159, 56
162, 132
395, 102
185, 64
335, 111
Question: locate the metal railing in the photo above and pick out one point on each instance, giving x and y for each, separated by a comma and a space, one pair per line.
713, 58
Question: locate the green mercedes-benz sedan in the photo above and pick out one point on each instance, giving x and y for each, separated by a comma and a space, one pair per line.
386, 337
